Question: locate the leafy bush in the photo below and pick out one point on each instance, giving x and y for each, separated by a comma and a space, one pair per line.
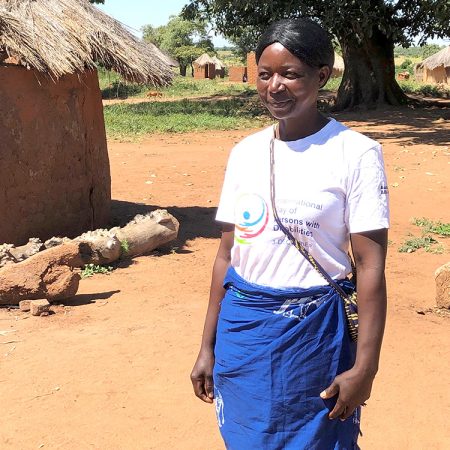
430, 226
90, 270
427, 242
428, 90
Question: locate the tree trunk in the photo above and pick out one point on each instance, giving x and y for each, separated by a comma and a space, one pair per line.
369, 75
183, 68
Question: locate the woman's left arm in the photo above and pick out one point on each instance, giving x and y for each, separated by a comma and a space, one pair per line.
354, 386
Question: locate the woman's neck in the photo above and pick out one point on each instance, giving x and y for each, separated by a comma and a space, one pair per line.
294, 129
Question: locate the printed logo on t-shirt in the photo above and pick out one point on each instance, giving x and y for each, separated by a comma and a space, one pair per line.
251, 217
384, 189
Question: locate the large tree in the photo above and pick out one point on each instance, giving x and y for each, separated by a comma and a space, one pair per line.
185, 40
366, 30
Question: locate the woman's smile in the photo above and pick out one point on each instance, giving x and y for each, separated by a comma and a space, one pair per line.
288, 88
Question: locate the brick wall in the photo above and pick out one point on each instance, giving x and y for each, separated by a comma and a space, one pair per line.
199, 71
252, 69
237, 73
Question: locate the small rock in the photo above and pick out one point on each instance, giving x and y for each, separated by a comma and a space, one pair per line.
24, 305
39, 307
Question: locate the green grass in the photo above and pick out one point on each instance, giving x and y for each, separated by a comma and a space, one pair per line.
112, 86
183, 116
333, 84
430, 226
427, 90
426, 241
189, 87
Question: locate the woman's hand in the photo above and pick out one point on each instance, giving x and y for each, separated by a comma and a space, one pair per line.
202, 376
352, 388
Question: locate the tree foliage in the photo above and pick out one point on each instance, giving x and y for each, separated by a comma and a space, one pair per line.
185, 40
417, 52
366, 30
97, 1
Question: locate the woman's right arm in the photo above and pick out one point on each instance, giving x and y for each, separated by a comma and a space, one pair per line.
201, 376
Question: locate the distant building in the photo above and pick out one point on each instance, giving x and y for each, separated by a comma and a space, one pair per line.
204, 67
434, 69
220, 67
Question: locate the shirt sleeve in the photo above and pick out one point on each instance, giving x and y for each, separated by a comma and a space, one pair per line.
225, 210
367, 206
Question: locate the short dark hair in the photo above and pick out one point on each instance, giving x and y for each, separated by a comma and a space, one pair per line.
305, 39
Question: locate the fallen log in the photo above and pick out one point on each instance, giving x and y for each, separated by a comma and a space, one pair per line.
48, 274
145, 233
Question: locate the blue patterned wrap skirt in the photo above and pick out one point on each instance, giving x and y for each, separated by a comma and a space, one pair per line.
276, 351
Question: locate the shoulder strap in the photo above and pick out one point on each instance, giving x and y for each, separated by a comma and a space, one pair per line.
288, 234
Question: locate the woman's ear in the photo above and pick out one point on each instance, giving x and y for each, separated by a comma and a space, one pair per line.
324, 75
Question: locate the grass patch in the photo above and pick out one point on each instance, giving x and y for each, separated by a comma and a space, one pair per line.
333, 84
191, 87
113, 86
430, 226
427, 242
184, 116
427, 90
89, 270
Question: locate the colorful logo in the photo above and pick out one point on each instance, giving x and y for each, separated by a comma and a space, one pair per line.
251, 217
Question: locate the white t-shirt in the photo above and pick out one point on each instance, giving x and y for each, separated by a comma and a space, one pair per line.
328, 185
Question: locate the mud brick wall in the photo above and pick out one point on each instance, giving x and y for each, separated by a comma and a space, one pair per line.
252, 68
202, 72
237, 73
54, 166
199, 72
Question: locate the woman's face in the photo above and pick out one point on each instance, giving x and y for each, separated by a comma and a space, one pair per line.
287, 86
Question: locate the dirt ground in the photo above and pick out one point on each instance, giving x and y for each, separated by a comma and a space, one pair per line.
110, 370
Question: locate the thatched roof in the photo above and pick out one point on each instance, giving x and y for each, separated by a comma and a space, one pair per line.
219, 64
338, 62
203, 60
170, 60
65, 36
441, 58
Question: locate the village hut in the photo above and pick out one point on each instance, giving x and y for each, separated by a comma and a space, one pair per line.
338, 66
435, 69
204, 67
54, 166
220, 67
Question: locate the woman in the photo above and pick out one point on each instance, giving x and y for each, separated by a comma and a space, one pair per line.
276, 354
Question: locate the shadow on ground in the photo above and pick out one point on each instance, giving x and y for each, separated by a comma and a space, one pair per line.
195, 221
424, 123
87, 299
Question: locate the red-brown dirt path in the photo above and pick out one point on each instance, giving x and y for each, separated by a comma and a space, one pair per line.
111, 369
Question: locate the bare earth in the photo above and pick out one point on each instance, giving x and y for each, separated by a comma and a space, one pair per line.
111, 369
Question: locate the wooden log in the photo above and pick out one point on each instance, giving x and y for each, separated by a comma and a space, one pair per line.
145, 233
99, 247
48, 274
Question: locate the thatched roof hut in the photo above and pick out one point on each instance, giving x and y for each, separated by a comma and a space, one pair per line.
203, 60
219, 64
435, 68
60, 37
54, 166
220, 67
204, 67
